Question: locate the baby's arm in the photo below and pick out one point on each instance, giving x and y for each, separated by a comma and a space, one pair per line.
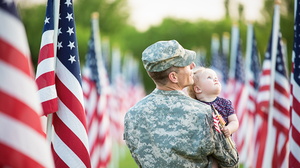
232, 126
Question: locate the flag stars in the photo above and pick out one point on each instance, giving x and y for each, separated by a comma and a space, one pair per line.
59, 32
68, 3
59, 45
70, 31
72, 59
71, 45
47, 20
69, 17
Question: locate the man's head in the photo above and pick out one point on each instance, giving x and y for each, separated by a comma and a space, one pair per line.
168, 60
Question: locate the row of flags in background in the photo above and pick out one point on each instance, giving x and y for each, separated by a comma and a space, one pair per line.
265, 101
85, 112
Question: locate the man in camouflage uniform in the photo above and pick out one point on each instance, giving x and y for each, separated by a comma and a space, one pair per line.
168, 128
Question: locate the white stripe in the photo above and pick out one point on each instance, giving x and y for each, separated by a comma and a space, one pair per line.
264, 80
65, 153
47, 65
295, 120
296, 89
69, 80
95, 157
281, 118
72, 122
19, 85
294, 148
47, 93
106, 148
263, 96
24, 139
282, 81
93, 133
12, 31
47, 38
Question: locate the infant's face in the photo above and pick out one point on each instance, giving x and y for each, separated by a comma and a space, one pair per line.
208, 82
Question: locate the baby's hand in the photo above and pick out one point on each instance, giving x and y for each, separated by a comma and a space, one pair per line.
226, 131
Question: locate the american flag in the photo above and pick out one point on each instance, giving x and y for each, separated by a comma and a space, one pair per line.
45, 75
252, 78
216, 60
216, 122
95, 85
22, 140
70, 142
272, 118
239, 99
294, 134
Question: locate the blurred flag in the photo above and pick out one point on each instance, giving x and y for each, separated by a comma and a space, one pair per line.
294, 134
272, 117
252, 78
239, 100
216, 61
69, 141
45, 75
95, 85
224, 59
22, 140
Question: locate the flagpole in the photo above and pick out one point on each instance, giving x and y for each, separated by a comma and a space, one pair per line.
269, 147
55, 36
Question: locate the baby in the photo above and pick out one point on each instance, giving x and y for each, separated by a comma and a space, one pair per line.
206, 89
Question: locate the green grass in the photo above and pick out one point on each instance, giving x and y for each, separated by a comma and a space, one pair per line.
127, 161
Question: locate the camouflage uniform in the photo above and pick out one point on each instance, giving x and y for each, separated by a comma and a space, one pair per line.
170, 129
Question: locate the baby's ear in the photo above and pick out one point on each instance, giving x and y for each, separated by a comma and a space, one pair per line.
197, 89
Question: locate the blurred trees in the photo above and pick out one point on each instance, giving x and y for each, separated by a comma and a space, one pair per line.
192, 35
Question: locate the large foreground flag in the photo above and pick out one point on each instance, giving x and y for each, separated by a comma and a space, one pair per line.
272, 118
22, 140
45, 75
95, 90
69, 142
294, 134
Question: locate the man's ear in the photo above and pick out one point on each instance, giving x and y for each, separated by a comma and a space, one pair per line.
173, 77
197, 89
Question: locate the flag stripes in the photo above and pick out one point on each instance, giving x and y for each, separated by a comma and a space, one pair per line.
22, 140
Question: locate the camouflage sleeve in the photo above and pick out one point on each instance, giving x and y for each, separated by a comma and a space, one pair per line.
223, 153
128, 134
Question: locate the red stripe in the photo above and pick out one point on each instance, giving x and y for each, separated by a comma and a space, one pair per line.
282, 90
46, 79
295, 135
14, 57
71, 140
47, 51
22, 112
266, 72
70, 101
293, 162
50, 106
57, 160
262, 137
281, 109
10, 157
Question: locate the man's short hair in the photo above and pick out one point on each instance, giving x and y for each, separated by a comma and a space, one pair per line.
162, 77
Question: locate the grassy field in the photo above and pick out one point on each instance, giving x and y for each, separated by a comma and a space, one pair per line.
126, 161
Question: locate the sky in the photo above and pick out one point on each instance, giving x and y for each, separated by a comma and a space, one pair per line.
146, 13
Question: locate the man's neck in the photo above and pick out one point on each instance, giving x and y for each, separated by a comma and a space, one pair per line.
168, 87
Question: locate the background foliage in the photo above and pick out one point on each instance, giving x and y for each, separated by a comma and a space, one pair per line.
113, 20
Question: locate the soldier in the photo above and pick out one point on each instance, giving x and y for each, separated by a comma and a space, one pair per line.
168, 128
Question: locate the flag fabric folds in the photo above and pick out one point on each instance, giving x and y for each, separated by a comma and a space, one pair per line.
95, 89
22, 140
272, 118
45, 75
294, 132
69, 142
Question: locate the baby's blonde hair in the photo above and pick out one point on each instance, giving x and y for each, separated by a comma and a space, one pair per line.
190, 89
